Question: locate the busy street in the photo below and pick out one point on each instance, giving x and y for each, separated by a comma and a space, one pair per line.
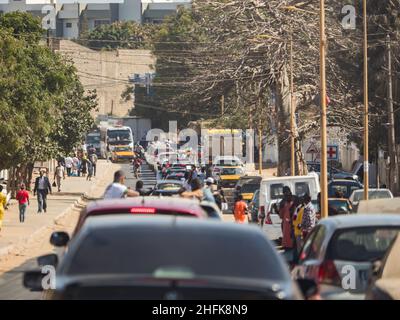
199, 150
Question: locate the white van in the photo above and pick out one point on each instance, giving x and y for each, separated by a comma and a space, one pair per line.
271, 190
220, 161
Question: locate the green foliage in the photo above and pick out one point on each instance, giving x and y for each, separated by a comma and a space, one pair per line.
125, 35
43, 107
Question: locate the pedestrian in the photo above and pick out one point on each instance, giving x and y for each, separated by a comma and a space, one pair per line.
197, 190
93, 159
220, 199
297, 219
186, 183
140, 188
285, 213
118, 189
3, 203
90, 169
59, 174
309, 219
42, 188
240, 211
75, 165
84, 166
202, 174
23, 202
68, 165
207, 190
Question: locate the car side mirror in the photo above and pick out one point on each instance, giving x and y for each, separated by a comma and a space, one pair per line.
48, 260
33, 280
308, 287
59, 239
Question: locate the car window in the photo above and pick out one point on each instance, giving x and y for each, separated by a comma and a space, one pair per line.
307, 245
335, 189
231, 171
141, 250
276, 191
169, 186
316, 243
301, 188
361, 244
249, 188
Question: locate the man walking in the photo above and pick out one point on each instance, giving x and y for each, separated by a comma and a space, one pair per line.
42, 188
240, 211
59, 174
93, 159
68, 165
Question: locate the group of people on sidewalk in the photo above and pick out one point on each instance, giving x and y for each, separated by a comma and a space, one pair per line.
79, 164
298, 217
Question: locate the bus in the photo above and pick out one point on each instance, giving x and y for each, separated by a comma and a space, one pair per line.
119, 136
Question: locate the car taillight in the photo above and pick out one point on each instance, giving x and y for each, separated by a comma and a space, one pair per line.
328, 273
143, 210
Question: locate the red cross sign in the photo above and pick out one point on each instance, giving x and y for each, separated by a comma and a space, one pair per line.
333, 153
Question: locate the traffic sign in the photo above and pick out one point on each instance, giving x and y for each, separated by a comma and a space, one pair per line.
333, 152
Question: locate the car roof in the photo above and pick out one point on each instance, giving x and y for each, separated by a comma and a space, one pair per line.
361, 220
371, 190
312, 177
168, 203
173, 222
170, 181
347, 181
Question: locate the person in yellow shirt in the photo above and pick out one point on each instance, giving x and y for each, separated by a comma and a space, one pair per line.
297, 218
3, 203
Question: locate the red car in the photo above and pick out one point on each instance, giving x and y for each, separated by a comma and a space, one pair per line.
143, 206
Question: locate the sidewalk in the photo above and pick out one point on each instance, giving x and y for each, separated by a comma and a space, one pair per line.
15, 234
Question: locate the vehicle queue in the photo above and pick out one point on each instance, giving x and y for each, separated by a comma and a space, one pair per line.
170, 242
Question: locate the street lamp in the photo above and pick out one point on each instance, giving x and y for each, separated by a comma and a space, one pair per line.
366, 150
324, 160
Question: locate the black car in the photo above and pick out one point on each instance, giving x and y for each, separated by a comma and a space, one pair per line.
343, 186
160, 257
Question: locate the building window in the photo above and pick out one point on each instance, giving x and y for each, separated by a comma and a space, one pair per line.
68, 25
100, 22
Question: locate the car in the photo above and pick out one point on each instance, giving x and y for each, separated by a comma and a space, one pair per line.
358, 195
229, 176
333, 173
271, 191
212, 210
157, 258
337, 206
248, 188
122, 153
167, 188
383, 206
385, 283
341, 245
254, 206
225, 161
143, 206
344, 186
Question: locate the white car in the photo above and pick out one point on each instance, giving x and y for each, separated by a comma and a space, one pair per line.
220, 161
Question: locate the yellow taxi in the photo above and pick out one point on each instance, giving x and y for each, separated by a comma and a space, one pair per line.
229, 176
248, 186
122, 153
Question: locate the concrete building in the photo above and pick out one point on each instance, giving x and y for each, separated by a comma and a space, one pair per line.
73, 17
108, 72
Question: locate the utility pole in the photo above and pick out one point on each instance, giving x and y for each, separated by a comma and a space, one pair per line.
366, 131
324, 162
292, 111
394, 171
222, 105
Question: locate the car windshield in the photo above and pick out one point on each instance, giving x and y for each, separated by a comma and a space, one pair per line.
231, 171
361, 244
142, 250
249, 188
338, 206
92, 139
227, 162
346, 189
118, 149
169, 186
376, 194
119, 135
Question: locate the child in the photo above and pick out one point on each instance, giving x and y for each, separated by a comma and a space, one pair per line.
240, 210
23, 201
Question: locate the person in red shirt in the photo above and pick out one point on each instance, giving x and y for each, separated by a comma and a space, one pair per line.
240, 210
23, 201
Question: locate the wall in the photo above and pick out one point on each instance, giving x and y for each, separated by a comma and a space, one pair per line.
108, 72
